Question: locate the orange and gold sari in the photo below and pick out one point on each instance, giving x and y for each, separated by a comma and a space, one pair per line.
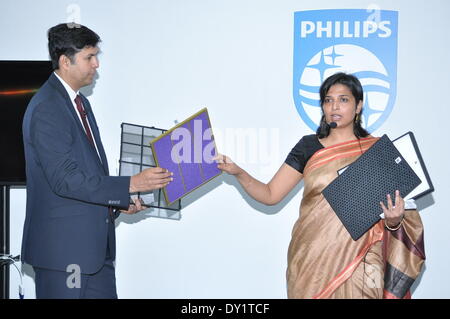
325, 262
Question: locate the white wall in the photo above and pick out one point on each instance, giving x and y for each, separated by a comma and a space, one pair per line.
163, 60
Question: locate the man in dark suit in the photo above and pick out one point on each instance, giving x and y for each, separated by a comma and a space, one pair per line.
72, 202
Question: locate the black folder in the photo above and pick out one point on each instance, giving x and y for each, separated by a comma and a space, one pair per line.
355, 195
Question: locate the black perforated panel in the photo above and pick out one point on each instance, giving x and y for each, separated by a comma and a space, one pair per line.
355, 195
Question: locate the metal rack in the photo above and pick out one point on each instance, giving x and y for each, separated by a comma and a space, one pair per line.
135, 156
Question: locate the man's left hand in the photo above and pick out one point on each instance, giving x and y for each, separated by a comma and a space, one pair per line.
134, 208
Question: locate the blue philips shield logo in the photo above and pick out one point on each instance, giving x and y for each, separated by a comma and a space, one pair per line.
352, 41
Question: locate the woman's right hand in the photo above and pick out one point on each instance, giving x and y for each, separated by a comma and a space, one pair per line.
227, 165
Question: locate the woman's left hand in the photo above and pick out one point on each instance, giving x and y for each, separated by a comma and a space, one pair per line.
394, 212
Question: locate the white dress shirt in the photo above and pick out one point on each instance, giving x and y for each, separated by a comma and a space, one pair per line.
72, 96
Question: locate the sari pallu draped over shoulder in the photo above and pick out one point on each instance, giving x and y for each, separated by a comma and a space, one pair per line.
325, 262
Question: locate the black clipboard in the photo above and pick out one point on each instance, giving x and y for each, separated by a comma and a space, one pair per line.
355, 195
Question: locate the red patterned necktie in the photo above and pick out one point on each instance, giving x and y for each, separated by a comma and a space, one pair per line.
83, 116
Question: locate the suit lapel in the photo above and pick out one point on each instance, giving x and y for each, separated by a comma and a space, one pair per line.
96, 133
69, 106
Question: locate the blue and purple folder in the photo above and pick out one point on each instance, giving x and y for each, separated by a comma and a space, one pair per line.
187, 150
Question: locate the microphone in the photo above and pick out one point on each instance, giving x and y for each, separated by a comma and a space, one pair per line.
332, 125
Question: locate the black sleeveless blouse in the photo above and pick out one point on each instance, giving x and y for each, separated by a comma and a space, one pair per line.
302, 152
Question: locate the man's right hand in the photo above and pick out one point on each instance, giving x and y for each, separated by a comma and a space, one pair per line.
150, 179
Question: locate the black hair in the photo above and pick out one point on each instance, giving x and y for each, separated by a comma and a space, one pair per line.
68, 39
355, 87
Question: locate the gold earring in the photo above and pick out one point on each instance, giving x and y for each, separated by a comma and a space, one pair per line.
357, 117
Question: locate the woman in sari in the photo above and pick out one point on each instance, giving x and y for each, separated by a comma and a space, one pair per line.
323, 260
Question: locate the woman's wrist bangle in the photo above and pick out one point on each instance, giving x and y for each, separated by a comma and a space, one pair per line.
396, 227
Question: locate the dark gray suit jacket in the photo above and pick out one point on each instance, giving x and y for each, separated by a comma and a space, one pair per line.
69, 190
